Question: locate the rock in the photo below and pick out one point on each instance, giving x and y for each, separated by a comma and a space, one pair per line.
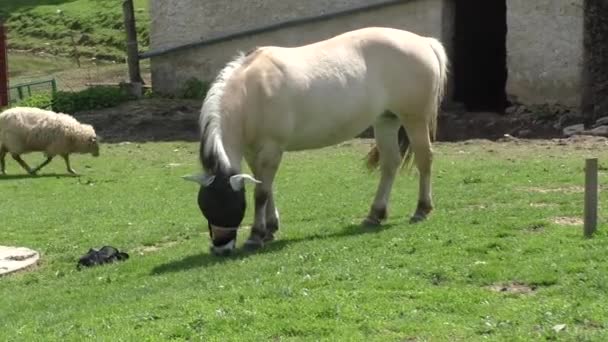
559, 327
524, 133
601, 121
511, 110
16, 258
507, 137
573, 129
569, 119
599, 131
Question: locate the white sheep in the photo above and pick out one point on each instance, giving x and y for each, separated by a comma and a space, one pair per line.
26, 129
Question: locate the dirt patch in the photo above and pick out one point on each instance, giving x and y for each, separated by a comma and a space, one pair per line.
161, 119
514, 287
568, 221
541, 205
154, 248
175, 119
146, 120
566, 189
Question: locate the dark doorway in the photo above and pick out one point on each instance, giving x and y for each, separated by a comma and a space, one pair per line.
595, 60
479, 61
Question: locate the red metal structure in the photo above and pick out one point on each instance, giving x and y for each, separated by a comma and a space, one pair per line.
3, 67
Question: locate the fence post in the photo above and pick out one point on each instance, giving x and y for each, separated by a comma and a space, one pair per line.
3, 66
591, 189
53, 86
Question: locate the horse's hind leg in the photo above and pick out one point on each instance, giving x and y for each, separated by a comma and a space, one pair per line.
3, 152
386, 134
420, 144
264, 166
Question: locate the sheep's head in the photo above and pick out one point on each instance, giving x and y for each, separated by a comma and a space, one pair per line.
90, 143
93, 146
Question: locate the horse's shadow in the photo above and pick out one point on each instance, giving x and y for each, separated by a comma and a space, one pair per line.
208, 259
41, 176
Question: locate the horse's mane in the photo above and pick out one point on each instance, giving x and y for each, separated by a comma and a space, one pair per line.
212, 153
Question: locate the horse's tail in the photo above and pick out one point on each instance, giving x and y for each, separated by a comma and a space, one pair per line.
373, 156
441, 82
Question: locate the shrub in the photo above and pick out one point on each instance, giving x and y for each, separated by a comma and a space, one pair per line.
70, 102
91, 98
194, 89
40, 100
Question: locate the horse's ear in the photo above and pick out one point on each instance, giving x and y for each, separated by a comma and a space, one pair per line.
237, 182
202, 179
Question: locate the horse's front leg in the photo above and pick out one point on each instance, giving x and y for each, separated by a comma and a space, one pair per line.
264, 166
272, 218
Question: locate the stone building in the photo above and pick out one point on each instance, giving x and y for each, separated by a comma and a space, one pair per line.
531, 51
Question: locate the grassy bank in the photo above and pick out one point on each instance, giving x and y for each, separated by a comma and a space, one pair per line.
95, 25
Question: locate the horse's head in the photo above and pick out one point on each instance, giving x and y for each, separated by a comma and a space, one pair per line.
221, 199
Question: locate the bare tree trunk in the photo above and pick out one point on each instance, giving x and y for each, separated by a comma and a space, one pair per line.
132, 50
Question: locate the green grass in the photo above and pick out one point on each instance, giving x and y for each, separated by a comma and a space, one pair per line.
97, 26
324, 278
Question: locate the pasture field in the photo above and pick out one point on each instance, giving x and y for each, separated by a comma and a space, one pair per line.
506, 219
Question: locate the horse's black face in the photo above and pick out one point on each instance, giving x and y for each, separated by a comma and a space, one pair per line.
224, 209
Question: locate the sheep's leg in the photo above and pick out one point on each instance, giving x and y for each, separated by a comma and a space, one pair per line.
66, 157
44, 163
3, 152
22, 163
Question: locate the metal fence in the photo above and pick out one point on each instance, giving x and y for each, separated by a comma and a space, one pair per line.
22, 91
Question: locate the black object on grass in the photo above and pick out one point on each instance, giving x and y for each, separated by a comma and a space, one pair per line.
105, 255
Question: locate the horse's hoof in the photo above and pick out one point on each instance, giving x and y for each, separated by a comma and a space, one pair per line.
417, 218
269, 237
220, 252
253, 244
369, 222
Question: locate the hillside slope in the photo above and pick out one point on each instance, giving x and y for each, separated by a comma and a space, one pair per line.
95, 25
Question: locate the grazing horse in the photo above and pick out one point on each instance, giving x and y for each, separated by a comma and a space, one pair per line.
277, 99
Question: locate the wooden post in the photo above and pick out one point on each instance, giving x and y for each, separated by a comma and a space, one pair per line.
591, 189
3, 67
132, 50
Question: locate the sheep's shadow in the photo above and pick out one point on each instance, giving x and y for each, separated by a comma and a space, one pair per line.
41, 176
206, 259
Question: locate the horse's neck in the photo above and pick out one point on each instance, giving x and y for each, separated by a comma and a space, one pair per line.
232, 142
235, 156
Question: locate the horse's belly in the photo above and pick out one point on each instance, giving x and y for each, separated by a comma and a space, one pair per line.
310, 136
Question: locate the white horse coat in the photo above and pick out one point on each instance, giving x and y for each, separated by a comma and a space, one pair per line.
278, 99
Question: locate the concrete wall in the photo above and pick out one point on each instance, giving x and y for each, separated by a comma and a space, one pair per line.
545, 51
176, 22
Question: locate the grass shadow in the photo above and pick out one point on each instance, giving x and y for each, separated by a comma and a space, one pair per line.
208, 259
42, 176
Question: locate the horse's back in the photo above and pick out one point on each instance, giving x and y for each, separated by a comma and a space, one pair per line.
335, 88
